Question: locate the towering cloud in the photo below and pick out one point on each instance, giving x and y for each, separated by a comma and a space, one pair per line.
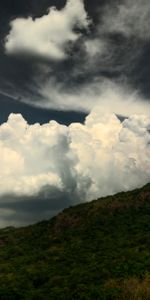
49, 35
47, 167
71, 164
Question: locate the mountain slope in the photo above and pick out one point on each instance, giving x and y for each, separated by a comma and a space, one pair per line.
98, 250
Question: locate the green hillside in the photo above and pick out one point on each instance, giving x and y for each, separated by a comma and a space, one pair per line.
98, 250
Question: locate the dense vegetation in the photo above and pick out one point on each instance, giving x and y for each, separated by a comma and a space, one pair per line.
98, 250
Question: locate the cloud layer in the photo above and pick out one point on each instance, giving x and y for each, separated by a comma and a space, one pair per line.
129, 17
113, 49
49, 35
109, 96
58, 166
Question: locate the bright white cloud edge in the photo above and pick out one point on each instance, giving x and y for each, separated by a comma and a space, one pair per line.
101, 157
48, 35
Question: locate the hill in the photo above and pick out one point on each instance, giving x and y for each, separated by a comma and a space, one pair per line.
98, 250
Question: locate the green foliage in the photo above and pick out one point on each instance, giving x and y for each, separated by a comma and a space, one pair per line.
98, 250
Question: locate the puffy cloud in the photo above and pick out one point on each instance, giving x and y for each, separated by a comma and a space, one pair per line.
52, 166
48, 35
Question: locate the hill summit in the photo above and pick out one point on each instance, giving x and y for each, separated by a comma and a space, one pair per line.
98, 250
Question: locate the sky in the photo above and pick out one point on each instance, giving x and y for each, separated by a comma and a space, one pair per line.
74, 103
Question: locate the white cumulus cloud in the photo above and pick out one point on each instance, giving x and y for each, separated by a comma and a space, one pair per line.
85, 161
48, 35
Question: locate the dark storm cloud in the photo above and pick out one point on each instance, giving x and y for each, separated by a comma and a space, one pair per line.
141, 72
29, 209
